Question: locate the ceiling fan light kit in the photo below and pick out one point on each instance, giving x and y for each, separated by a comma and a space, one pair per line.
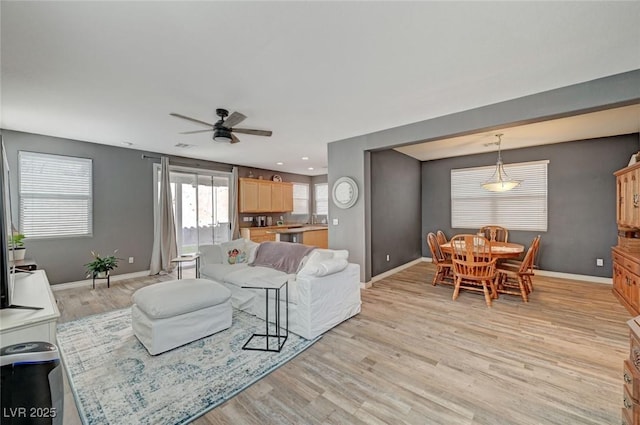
500, 180
224, 128
222, 136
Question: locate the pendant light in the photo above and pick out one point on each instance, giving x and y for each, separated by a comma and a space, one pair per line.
500, 181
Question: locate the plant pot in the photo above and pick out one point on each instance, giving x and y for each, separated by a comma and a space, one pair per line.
102, 275
17, 254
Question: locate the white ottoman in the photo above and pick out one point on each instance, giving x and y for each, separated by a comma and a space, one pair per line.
169, 314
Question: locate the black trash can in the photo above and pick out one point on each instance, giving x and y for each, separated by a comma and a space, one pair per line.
31, 384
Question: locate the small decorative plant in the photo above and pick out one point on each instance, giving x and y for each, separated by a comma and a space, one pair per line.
16, 240
100, 265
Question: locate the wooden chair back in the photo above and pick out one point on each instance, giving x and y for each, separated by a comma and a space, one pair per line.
436, 253
442, 238
471, 255
527, 262
495, 233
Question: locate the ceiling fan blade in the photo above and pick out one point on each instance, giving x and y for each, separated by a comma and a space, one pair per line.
234, 139
197, 131
252, 131
173, 114
234, 119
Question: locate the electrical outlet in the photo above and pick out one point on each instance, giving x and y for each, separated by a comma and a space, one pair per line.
335, 221
130, 260
599, 262
387, 257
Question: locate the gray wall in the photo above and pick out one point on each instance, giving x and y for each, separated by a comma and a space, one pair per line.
581, 200
350, 157
395, 210
122, 204
122, 207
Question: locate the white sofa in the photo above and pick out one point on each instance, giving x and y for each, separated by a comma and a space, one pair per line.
323, 291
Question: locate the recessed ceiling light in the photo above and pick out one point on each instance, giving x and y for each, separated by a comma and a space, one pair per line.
279, 163
310, 168
305, 158
127, 143
183, 145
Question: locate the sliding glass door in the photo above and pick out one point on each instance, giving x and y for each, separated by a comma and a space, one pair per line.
200, 205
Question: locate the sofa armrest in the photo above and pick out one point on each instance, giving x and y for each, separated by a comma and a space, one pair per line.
328, 300
210, 254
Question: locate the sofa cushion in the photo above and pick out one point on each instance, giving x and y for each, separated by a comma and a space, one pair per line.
168, 299
324, 268
315, 257
210, 254
248, 274
218, 272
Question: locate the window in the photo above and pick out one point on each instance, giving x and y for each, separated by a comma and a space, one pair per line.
200, 206
321, 197
300, 198
56, 195
522, 208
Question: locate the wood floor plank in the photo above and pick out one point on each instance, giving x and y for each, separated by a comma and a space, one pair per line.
414, 356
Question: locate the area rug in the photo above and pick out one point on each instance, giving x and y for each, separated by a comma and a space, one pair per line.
115, 381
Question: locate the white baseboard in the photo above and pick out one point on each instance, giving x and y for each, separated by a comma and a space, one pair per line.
89, 282
392, 271
560, 275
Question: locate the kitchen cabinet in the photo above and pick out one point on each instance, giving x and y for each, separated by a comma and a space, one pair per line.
258, 234
264, 196
319, 238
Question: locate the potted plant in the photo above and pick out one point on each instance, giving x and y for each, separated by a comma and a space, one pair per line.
17, 250
101, 266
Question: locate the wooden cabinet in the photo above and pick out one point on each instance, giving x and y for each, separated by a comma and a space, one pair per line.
257, 196
319, 238
257, 234
631, 376
628, 197
626, 278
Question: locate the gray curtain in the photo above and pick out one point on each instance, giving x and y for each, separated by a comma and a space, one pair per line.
165, 247
235, 218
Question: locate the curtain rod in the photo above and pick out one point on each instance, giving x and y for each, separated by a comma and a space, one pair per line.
172, 161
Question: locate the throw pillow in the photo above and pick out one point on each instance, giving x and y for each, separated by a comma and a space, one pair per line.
310, 263
234, 252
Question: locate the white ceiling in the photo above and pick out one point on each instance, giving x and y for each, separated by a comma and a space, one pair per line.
611, 122
312, 72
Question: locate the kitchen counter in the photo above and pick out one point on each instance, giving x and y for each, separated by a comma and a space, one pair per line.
308, 234
296, 229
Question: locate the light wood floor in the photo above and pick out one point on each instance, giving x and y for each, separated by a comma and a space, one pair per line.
414, 356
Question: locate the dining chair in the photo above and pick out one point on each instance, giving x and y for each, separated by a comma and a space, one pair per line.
442, 239
512, 263
495, 233
473, 267
516, 280
443, 265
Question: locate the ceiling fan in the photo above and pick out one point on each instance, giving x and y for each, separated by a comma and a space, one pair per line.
223, 129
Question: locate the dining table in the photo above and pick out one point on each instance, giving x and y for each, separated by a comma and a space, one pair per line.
500, 250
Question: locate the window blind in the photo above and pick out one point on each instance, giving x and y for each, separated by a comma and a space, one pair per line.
300, 198
521, 208
55, 195
322, 198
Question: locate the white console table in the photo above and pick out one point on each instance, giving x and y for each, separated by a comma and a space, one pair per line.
18, 325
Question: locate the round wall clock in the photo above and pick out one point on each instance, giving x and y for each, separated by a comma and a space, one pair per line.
345, 192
